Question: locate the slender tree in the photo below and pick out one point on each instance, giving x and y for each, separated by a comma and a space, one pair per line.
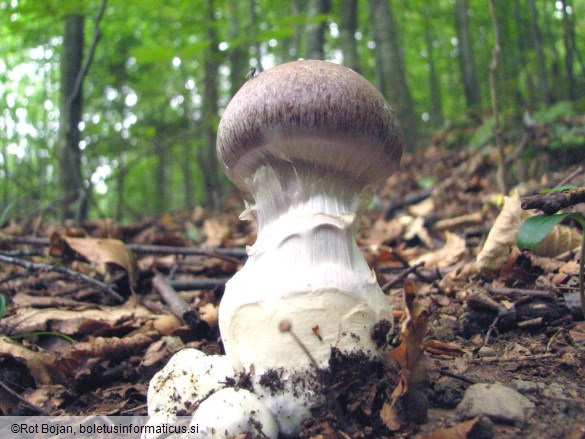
390, 67
569, 42
436, 112
238, 56
316, 31
70, 107
466, 58
347, 31
208, 159
540, 57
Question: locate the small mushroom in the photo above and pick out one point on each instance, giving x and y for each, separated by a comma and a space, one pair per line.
189, 377
230, 412
306, 139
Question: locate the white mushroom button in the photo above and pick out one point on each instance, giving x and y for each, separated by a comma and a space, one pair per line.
189, 377
230, 412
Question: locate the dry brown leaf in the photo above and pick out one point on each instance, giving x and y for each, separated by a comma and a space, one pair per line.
108, 348
217, 231
65, 321
441, 348
448, 255
34, 361
409, 354
465, 430
384, 231
99, 252
502, 238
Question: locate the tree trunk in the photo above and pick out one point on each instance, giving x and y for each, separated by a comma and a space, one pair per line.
436, 116
209, 163
568, 33
390, 68
316, 31
540, 59
70, 107
466, 59
161, 192
238, 56
347, 30
522, 38
254, 31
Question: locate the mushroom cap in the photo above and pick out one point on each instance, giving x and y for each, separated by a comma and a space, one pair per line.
316, 112
230, 412
190, 376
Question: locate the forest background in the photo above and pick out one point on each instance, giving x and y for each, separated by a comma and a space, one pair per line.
110, 108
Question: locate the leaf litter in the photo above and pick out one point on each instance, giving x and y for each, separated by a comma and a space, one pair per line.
455, 324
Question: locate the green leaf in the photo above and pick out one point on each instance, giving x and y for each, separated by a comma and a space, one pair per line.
3, 305
558, 189
535, 228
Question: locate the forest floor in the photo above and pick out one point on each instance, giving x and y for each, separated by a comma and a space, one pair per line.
71, 345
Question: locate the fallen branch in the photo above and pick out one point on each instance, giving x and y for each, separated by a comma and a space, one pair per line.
227, 254
197, 284
33, 266
178, 306
554, 201
507, 360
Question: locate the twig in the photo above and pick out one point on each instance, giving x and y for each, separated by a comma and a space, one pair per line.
572, 175
401, 276
178, 306
457, 377
519, 292
197, 284
507, 360
554, 201
227, 254
96, 37
33, 266
29, 404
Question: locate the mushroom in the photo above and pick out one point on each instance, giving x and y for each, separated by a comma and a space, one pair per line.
231, 412
306, 139
189, 377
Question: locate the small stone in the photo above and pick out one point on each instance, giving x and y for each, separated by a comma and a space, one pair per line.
527, 386
486, 352
498, 402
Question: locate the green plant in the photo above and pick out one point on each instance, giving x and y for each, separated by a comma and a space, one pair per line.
3, 305
534, 230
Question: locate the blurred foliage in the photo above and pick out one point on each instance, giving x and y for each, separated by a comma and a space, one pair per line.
141, 129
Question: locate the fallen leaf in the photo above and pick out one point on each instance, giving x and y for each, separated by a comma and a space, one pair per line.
479, 427
35, 361
502, 238
99, 252
409, 354
448, 255
68, 321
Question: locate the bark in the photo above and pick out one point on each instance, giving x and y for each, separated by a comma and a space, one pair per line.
390, 68
466, 59
347, 30
522, 37
501, 174
209, 163
569, 41
70, 107
316, 31
540, 57
161, 191
437, 118
238, 56
254, 30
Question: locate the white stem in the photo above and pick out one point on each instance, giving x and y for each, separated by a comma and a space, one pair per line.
304, 267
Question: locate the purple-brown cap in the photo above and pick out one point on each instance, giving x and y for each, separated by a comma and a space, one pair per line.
309, 112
